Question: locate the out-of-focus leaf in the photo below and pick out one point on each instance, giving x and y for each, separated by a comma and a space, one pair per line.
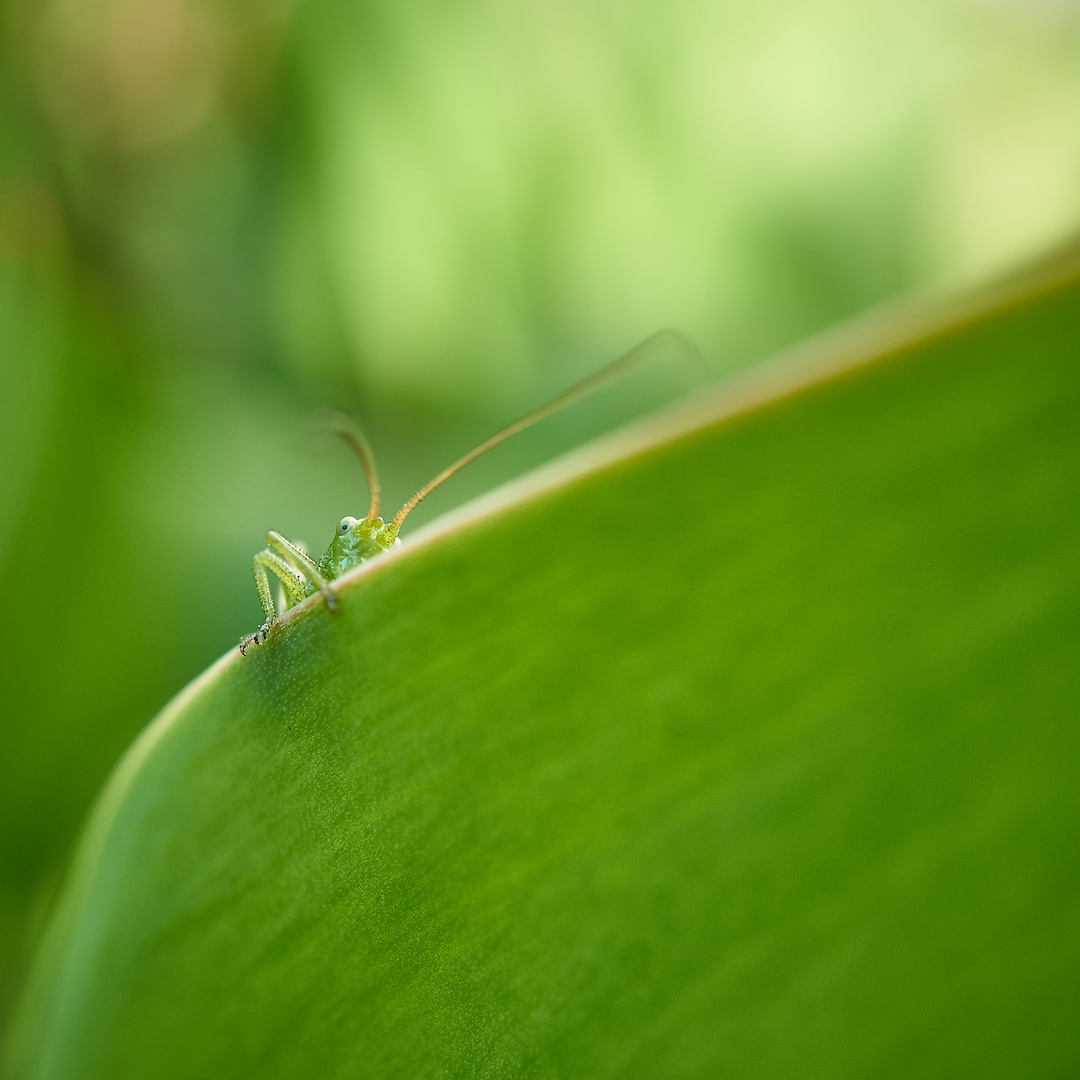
476, 186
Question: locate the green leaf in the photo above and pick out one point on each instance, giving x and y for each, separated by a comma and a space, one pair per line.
744, 744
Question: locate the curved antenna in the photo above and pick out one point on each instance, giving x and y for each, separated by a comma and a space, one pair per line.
349, 430
607, 375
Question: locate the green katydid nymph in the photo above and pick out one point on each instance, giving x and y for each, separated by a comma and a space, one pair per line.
358, 540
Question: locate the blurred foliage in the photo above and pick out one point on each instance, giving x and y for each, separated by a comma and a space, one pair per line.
215, 216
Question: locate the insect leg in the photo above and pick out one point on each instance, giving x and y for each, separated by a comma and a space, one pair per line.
262, 584
302, 564
292, 582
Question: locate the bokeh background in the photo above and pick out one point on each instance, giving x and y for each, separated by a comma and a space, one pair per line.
217, 216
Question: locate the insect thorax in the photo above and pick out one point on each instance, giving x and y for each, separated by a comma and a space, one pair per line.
354, 543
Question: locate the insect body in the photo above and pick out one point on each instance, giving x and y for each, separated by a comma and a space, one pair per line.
357, 540
354, 543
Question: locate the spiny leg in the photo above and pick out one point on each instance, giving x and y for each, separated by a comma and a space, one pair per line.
303, 564
292, 582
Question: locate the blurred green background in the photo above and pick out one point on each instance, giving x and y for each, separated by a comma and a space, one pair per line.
219, 216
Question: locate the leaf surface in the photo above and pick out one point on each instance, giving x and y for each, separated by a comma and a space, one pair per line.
745, 745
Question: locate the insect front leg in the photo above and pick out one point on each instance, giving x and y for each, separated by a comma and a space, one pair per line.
302, 564
292, 582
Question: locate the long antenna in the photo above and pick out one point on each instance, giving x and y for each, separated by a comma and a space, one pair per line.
350, 431
607, 375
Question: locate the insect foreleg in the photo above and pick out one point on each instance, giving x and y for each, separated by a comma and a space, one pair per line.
298, 574
302, 564
292, 582
262, 584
